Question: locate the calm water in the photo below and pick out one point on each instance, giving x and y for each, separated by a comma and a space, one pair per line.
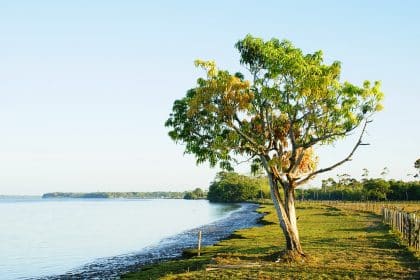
40, 237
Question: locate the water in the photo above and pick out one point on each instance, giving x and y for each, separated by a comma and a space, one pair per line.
41, 237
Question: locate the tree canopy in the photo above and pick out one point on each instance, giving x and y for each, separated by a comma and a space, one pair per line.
417, 167
294, 102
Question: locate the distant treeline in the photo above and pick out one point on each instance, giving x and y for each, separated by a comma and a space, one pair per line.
233, 187
146, 195
347, 188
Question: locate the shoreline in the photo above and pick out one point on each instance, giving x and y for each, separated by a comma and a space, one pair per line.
168, 248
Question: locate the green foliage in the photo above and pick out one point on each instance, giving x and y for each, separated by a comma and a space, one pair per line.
232, 187
400, 190
195, 194
376, 189
417, 167
294, 101
368, 189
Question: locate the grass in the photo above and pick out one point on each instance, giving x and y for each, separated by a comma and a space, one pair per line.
375, 207
341, 244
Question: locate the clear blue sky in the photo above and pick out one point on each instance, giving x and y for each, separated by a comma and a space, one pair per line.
85, 86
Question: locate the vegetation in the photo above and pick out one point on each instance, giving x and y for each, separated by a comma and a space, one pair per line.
364, 248
293, 102
195, 194
233, 187
347, 188
143, 195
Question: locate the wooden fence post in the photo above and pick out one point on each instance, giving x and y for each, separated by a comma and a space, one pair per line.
199, 243
406, 223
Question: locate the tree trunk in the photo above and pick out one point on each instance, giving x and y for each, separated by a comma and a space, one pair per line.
286, 213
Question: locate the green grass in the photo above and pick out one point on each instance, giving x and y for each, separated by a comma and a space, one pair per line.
341, 244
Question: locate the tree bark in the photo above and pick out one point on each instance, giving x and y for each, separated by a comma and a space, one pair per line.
286, 213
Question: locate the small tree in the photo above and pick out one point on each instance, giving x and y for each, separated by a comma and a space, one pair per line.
365, 174
198, 192
292, 103
384, 172
417, 167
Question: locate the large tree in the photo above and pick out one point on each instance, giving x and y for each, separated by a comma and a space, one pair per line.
291, 102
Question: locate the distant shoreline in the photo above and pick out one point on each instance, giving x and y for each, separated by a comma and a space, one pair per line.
11, 196
140, 195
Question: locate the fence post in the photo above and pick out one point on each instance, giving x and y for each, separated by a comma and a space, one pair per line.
199, 243
410, 227
406, 223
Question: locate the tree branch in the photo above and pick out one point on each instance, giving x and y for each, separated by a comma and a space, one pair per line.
326, 136
294, 145
246, 137
244, 161
298, 161
272, 144
348, 158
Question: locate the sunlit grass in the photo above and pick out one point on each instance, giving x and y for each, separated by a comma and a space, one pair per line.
376, 207
340, 243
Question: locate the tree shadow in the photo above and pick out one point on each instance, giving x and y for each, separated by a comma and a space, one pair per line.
386, 239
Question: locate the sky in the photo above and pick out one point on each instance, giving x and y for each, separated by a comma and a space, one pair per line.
86, 86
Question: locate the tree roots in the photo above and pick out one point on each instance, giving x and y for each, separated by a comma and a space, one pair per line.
290, 256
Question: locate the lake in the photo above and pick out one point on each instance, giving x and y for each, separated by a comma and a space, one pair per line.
43, 237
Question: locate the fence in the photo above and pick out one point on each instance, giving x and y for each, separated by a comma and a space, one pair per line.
408, 224
368, 206
376, 206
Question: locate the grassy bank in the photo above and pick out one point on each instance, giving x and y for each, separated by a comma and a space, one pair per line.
341, 244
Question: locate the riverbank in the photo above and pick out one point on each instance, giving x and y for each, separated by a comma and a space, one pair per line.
169, 248
341, 244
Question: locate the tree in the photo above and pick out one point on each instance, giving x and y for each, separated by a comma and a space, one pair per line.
365, 174
343, 183
292, 103
197, 193
377, 189
189, 195
232, 187
384, 172
417, 167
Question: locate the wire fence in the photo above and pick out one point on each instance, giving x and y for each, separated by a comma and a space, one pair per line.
408, 224
376, 206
